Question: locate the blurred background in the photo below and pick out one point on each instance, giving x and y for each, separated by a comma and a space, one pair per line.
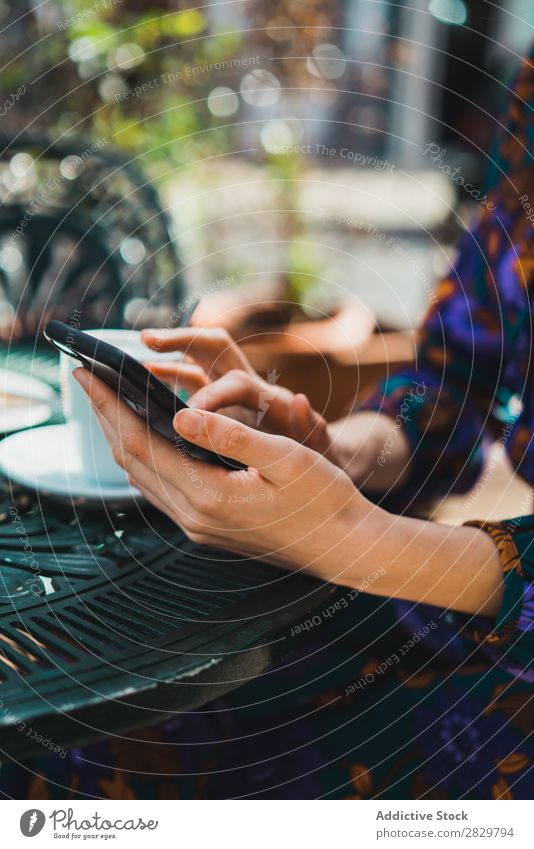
297, 153
296, 171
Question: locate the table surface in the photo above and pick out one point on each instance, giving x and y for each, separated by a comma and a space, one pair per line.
113, 619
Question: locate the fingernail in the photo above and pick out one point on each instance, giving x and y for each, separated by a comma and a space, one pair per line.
81, 376
159, 331
190, 422
199, 398
151, 335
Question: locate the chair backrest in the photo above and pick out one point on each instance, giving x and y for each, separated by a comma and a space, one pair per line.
83, 238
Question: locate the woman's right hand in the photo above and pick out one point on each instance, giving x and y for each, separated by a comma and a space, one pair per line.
221, 379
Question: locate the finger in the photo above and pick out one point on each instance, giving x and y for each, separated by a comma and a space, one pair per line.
145, 477
127, 433
183, 375
206, 537
150, 458
309, 427
213, 348
236, 388
240, 414
268, 453
265, 404
306, 424
170, 500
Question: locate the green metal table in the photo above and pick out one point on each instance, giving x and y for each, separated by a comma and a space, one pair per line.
111, 620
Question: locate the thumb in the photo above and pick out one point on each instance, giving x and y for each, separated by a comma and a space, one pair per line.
232, 439
307, 425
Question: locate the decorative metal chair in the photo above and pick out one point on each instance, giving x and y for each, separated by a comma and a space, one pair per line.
81, 233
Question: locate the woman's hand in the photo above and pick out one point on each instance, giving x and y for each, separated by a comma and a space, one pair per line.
212, 350
222, 379
296, 509
292, 506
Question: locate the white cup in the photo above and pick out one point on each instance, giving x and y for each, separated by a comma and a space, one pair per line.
87, 438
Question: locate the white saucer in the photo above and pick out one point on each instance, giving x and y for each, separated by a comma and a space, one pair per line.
44, 459
40, 400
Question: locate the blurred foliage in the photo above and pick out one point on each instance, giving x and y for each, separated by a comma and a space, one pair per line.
85, 62
140, 75
79, 57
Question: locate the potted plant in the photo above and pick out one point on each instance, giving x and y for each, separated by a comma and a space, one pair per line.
294, 326
122, 74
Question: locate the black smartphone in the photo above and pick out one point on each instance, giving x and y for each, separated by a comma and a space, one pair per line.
137, 387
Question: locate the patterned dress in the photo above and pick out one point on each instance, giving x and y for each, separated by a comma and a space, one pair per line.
387, 699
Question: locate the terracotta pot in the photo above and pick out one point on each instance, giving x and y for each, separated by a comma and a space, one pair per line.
329, 360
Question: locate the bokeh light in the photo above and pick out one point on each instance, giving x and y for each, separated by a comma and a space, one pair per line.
10, 259
223, 101
449, 11
133, 251
276, 134
20, 164
110, 86
83, 49
260, 88
128, 56
326, 61
71, 167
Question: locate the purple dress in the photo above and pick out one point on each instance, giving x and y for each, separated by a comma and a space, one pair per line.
389, 700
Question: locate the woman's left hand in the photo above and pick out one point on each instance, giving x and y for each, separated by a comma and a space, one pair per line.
291, 506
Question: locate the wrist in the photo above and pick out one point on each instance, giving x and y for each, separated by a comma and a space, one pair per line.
373, 450
356, 444
450, 566
453, 567
356, 558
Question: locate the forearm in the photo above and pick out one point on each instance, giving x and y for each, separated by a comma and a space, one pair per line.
450, 566
453, 567
372, 449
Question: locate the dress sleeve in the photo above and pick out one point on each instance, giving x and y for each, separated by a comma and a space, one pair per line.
509, 639
470, 335
443, 403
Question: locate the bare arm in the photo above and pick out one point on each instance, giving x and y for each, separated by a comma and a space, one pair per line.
371, 449
312, 517
455, 567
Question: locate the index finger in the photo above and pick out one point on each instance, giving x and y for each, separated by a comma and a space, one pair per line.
213, 348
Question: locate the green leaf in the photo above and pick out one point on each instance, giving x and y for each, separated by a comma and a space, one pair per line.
188, 23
